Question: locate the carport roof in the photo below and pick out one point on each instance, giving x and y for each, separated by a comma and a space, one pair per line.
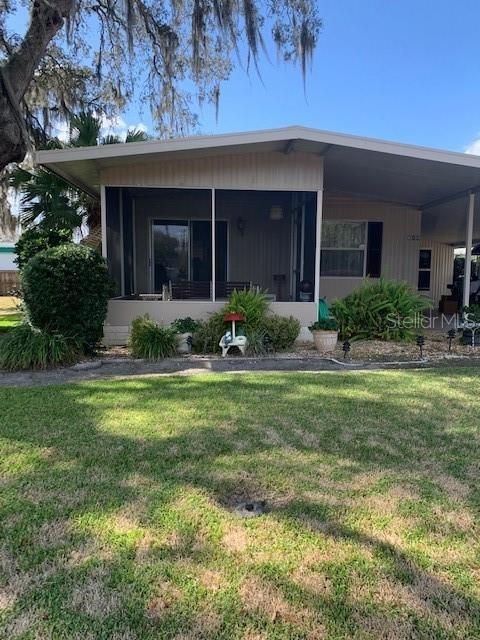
433, 180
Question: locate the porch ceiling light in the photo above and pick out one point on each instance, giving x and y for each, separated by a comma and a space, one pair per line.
276, 213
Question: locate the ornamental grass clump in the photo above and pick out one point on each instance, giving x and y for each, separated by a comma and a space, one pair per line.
152, 341
25, 347
252, 304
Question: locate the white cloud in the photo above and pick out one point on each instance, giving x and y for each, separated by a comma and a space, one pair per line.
118, 127
474, 147
61, 130
115, 126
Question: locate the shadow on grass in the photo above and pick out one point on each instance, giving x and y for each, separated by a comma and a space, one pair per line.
165, 459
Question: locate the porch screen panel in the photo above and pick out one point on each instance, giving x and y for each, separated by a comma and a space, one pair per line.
127, 229
114, 245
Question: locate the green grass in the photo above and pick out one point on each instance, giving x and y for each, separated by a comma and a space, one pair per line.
9, 315
117, 522
8, 321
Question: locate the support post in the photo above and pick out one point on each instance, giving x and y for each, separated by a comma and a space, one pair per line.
318, 245
103, 219
468, 250
213, 247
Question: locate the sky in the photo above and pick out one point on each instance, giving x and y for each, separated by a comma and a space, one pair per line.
403, 70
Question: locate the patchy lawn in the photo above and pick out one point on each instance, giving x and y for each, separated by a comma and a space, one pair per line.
9, 315
117, 507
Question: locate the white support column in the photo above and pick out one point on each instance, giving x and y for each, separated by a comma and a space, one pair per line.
103, 218
213, 246
468, 250
318, 245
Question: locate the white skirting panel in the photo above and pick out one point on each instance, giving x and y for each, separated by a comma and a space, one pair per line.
122, 312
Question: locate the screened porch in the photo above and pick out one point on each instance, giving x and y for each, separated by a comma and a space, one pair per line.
160, 244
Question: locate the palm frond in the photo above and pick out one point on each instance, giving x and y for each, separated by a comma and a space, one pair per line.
136, 135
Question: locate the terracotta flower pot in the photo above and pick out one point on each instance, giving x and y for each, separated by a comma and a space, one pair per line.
325, 341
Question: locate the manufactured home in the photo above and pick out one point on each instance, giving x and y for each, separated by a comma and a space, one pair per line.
301, 213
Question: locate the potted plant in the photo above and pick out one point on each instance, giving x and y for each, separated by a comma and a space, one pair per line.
325, 334
185, 327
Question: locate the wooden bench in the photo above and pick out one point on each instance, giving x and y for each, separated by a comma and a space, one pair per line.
201, 290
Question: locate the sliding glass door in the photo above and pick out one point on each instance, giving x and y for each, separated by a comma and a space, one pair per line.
182, 252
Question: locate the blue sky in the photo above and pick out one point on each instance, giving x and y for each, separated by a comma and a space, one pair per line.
406, 70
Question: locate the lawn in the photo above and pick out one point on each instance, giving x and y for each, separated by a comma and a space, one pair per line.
9, 315
118, 507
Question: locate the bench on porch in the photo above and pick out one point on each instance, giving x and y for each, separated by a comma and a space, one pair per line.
201, 290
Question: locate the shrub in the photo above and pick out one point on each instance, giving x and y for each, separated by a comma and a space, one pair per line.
151, 341
66, 291
27, 348
324, 324
185, 325
385, 310
208, 333
282, 331
251, 303
37, 239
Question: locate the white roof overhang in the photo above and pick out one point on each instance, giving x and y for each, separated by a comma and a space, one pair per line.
435, 181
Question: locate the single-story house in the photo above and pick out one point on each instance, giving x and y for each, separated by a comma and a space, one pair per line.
299, 212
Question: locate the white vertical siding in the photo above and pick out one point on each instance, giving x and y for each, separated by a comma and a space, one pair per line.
268, 170
401, 240
443, 256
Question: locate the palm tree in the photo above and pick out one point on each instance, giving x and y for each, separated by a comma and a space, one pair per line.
48, 200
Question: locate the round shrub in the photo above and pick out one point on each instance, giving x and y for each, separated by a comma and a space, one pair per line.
282, 331
37, 239
209, 333
66, 291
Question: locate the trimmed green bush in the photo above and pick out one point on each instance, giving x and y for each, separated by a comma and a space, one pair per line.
37, 239
151, 341
324, 324
185, 325
250, 303
27, 348
66, 291
282, 331
384, 310
208, 333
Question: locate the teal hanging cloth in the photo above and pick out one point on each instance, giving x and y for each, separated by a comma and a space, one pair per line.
323, 311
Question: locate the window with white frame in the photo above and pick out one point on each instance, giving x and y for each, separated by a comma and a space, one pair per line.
344, 249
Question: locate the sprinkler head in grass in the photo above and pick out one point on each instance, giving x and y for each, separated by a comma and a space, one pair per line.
420, 340
251, 509
451, 335
346, 348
